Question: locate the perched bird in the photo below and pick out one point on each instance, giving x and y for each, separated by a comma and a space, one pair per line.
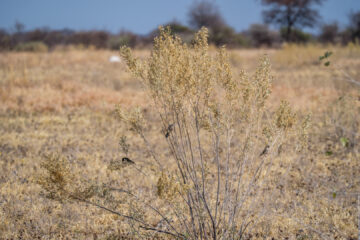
116, 164
127, 161
169, 129
265, 151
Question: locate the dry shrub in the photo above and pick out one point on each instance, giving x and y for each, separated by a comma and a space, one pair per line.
222, 141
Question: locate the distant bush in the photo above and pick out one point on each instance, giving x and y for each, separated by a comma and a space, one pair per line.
240, 40
261, 35
50, 37
222, 36
178, 28
5, 40
123, 39
116, 42
36, 35
99, 39
31, 47
329, 33
296, 36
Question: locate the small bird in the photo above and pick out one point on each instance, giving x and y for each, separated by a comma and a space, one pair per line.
169, 129
127, 161
265, 151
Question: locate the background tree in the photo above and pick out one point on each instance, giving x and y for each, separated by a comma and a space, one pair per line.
354, 27
291, 14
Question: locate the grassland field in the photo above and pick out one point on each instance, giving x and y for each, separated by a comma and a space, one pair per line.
64, 102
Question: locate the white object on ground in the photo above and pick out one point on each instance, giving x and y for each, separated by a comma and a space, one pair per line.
114, 58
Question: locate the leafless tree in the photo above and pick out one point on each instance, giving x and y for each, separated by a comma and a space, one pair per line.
205, 14
19, 27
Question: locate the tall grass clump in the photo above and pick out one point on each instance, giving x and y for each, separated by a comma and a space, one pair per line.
222, 140
296, 55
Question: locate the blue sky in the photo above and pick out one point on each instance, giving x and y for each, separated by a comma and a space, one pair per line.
141, 16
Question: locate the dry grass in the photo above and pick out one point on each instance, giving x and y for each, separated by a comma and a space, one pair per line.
64, 102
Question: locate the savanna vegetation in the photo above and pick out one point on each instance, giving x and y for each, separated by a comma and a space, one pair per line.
186, 141
283, 21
